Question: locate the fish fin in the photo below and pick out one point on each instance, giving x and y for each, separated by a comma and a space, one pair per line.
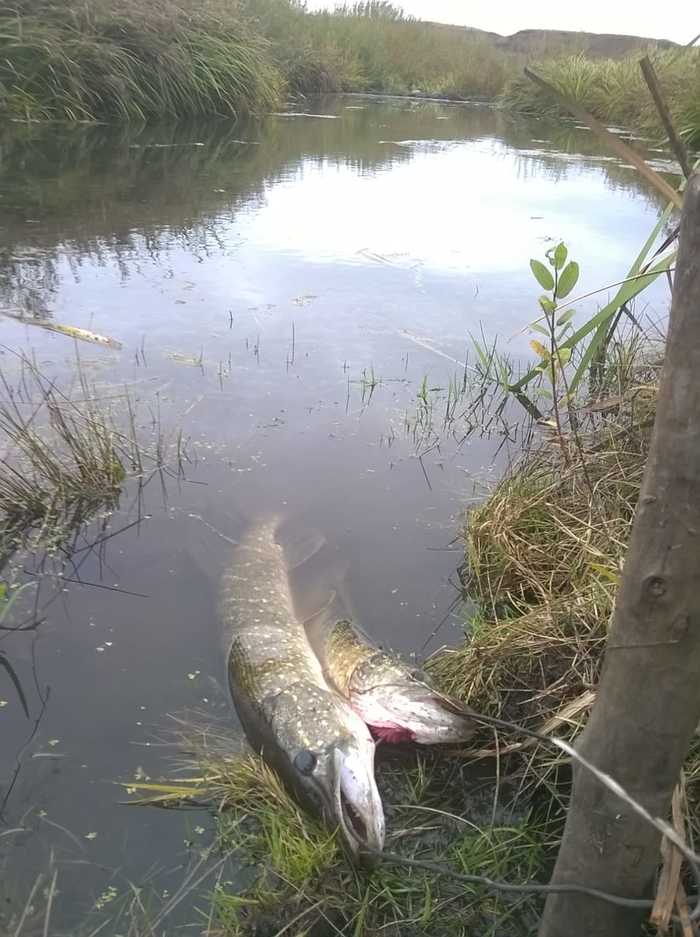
321, 622
302, 548
323, 612
213, 529
347, 606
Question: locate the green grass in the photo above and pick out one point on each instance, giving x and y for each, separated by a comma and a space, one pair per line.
305, 873
128, 60
395, 55
544, 550
615, 91
543, 559
123, 59
296, 876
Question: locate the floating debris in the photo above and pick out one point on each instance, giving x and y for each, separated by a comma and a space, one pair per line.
106, 897
192, 361
72, 331
305, 114
161, 146
305, 299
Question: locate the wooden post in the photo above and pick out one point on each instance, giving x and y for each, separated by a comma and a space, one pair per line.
648, 703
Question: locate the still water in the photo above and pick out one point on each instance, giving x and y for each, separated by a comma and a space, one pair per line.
280, 291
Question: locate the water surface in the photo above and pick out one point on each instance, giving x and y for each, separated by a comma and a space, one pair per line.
280, 290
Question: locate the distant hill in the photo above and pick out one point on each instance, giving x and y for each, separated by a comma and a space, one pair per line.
597, 45
554, 41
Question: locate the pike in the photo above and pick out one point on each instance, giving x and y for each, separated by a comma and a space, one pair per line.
396, 701
308, 734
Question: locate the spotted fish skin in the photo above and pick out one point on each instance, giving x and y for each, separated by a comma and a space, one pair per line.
284, 703
268, 651
395, 700
271, 666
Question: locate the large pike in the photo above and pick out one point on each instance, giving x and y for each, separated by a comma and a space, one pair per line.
395, 700
321, 749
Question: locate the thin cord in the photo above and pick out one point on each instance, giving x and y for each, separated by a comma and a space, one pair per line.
661, 825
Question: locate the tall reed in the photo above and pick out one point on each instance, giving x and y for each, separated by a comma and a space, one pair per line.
614, 90
126, 59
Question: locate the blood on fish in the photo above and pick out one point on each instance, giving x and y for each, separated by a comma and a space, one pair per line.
393, 735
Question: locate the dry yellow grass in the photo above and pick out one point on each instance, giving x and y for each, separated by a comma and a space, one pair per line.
543, 555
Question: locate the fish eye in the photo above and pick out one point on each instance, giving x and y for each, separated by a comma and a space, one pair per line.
420, 675
305, 761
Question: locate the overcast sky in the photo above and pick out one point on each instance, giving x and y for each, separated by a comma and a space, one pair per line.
634, 17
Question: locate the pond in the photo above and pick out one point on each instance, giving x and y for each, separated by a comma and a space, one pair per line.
281, 291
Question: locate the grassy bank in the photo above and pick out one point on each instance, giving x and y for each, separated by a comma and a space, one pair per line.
296, 878
130, 60
348, 52
615, 91
543, 557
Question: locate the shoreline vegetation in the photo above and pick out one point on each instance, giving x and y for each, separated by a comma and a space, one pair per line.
543, 551
543, 557
543, 554
125, 60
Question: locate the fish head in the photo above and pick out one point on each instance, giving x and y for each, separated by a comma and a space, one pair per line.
357, 804
333, 770
399, 704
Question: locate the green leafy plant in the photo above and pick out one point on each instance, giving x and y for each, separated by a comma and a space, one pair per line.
558, 277
592, 338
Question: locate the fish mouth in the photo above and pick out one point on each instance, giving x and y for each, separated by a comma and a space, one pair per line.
361, 824
354, 826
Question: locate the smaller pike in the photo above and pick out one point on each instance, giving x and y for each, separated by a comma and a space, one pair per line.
395, 700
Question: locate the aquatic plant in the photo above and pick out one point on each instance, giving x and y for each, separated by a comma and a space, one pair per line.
64, 456
614, 90
129, 60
